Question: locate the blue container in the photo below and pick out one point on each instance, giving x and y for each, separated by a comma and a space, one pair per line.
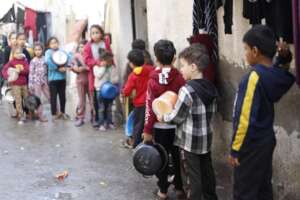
129, 125
109, 91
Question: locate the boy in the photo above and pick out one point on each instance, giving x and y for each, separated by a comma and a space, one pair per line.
164, 78
254, 137
138, 81
192, 114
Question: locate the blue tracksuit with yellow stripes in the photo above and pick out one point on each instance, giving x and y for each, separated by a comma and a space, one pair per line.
254, 140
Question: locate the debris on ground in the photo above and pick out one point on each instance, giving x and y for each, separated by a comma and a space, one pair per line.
62, 176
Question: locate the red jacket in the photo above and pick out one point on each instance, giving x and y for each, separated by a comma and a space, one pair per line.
23, 75
91, 62
138, 81
160, 81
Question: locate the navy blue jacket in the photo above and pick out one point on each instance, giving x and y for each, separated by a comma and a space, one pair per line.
253, 116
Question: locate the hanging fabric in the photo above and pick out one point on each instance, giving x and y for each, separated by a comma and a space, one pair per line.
296, 25
49, 25
30, 22
253, 10
278, 16
20, 19
41, 25
10, 16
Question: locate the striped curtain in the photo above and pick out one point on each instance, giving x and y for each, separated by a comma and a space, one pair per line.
205, 17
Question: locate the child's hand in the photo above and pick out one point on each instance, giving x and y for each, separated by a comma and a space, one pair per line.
285, 55
160, 118
233, 162
62, 69
147, 138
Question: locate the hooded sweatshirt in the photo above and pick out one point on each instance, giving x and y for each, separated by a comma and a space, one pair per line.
138, 81
253, 118
192, 114
23, 75
161, 80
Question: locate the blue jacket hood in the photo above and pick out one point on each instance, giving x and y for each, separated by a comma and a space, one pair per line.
275, 81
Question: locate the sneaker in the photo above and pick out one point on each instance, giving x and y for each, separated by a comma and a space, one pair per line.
79, 123
102, 128
111, 126
65, 116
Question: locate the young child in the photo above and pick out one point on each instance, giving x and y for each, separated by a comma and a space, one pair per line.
164, 78
38, 82
81, 70
18, 86
192, 114
91, 58
57, 81
21, 41
254, 137
138, 81
106, 72
12, 43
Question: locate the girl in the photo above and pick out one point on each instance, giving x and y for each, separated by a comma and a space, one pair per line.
38, 82
16, 72
16, 40
91, 58
106, 72
12, 43
81, 70
57, 81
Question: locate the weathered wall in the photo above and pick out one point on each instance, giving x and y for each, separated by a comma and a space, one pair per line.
232, 67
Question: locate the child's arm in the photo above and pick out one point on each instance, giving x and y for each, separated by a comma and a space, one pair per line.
48, 60
129, 86
25, 70
246, 108
88, 57
181, 109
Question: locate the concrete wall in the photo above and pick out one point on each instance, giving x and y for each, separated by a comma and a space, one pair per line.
118, 22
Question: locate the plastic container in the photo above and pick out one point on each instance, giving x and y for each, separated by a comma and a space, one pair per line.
165, 103
109, 91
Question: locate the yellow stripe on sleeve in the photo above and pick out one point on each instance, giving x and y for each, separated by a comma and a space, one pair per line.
245, 112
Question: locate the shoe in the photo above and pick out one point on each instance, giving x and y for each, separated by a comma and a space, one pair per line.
111, 126
102, 128
95, 124
126, 144
65, 116
58, 116
79, 123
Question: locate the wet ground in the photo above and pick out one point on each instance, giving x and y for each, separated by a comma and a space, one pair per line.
99, 167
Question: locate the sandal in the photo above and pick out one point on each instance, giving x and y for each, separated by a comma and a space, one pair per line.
158, 196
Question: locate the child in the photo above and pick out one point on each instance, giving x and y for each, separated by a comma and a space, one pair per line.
192, 114
57, 81
254, 137
164, 78
138, 81
106, 72
12, 43
91, 58
18, 86
81, 70
38, 82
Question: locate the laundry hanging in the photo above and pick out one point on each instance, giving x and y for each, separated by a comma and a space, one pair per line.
277, 14
20, 19
41, 26
296, 25
10, 16
30, 22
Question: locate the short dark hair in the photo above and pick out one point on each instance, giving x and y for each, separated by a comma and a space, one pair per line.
138, 44
263, 38
197, 54
164, 51
105, 54
136, 57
